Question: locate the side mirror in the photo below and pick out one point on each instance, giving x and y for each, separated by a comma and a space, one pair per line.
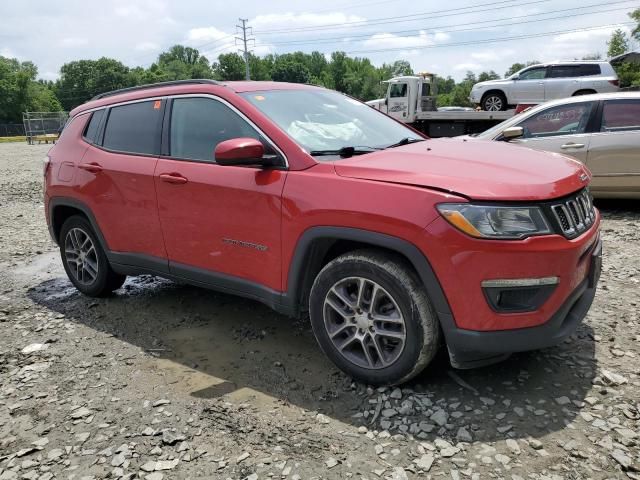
515, 77
512, 132
241, 151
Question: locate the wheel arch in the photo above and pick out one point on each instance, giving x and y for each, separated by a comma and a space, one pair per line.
61, 208
319, 245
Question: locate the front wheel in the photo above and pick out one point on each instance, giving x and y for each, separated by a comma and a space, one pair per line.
372, 317
494, 102
84, 259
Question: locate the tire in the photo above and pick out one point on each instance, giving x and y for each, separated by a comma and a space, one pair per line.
494, 102
372, 350
85, 261
583, 92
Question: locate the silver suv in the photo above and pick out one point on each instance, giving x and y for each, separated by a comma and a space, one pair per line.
546, 81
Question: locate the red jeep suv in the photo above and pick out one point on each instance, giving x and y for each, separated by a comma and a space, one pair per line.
310, 201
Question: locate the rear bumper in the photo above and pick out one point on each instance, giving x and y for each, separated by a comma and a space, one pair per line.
469, 348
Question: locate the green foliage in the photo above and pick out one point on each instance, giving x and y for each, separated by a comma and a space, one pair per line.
20, 92
592, 56
618, 44
230, 66
289, 70
628, 74
635, 15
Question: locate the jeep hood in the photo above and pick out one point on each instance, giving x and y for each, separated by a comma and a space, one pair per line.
479, 169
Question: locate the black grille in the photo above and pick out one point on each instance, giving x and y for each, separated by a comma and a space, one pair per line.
574, 214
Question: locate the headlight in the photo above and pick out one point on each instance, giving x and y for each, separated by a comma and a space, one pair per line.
501, 222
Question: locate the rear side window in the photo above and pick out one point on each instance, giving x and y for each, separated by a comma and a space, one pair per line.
134, 128
199, 124
620, 115
565, 71
91, 131
590, 69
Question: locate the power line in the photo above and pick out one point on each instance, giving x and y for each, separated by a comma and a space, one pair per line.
438, 28
408, 18
490, 40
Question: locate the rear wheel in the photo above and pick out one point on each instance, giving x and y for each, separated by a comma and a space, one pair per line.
372, 318
84, 259
494, 102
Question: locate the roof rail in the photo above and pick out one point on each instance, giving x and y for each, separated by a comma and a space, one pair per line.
155, 85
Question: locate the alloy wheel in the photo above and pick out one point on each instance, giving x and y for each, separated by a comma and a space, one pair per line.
81, 256
493, 103
364, 323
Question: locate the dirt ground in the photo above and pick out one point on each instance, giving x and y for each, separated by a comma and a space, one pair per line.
169, 381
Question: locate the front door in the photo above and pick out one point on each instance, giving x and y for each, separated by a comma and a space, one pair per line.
398, 101
219, 222
560, 129
614, 152
529, 87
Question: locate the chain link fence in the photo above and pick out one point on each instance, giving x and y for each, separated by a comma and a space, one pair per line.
11, 130
42, 124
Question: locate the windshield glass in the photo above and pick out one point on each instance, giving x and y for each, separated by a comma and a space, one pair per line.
323, 120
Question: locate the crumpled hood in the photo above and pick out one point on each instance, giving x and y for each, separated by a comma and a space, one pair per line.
479, 169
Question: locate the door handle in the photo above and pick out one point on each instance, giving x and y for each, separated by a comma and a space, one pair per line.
174, 178
90, 167
572, 145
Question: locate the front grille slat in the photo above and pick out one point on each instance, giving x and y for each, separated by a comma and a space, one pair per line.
574, 214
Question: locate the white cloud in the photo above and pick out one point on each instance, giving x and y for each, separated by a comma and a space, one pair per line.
492, 55
205, 34
389, 40
301, 20
463, 67
586, 35
7, 53
72, 42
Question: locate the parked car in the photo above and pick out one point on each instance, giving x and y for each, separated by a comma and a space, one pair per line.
543, 82
602, 131
310, 201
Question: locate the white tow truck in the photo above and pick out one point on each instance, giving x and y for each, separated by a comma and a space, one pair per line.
412, 100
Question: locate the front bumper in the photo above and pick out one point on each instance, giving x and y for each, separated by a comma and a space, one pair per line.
470, 348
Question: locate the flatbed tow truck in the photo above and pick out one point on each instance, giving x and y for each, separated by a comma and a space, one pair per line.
412, 100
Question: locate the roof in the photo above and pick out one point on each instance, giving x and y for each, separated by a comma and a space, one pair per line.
626, 57
182, 87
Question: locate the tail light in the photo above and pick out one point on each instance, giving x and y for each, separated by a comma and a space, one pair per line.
615, 83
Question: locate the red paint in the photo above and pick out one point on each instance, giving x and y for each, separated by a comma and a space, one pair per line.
190, 212
239, 149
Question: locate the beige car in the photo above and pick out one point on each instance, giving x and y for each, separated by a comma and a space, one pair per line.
601, 130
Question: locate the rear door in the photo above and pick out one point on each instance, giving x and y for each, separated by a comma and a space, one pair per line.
115, 177
560, 129
614, 152
221, 224
529, 87
562, 81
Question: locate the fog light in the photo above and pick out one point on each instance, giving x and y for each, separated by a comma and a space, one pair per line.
518, 295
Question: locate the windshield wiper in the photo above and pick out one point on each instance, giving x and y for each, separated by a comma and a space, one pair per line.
344, 152
405, 141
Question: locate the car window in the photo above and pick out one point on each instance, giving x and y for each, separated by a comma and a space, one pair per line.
426, 89
199, 124
398, 90
134, 128
92, 126
533, 74
560, 120
565, 71
620, 115
588, 69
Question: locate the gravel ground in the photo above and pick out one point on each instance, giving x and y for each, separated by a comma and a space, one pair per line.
169, 381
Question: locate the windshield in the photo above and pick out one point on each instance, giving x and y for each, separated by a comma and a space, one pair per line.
324, 120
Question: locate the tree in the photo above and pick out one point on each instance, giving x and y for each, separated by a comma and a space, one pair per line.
182, 63
338, 70
230, 66
618, 44
635, 15
592, 56
287, 70
490, 75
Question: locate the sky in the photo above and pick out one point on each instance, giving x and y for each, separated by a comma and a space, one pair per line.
446, 38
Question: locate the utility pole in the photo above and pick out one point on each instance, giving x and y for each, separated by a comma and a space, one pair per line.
245, 40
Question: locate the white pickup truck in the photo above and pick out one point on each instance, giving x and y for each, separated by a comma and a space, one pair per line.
412, 100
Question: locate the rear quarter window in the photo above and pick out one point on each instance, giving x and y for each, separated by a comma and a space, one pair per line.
134, 128
91, 130
589, 69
